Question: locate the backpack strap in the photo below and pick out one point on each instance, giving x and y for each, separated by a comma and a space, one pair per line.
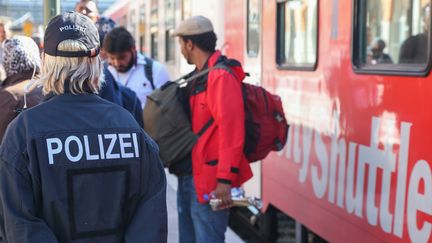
110, 87
223, 63
148, 69
187, 78
205, 127
202, 88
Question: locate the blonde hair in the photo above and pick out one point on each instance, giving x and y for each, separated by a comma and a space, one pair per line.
81, 72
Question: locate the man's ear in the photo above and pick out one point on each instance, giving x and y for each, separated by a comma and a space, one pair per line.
189, 45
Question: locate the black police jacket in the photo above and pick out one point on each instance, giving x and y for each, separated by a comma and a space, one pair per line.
77, 168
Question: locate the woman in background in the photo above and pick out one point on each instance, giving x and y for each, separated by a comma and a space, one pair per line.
18, 91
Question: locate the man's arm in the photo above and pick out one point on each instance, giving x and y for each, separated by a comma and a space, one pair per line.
17, 208
149, 223
225, 102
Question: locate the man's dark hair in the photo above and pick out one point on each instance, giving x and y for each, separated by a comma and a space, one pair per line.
205, 41
118, 40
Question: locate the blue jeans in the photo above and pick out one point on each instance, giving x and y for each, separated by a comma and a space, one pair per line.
184, 190
198, 223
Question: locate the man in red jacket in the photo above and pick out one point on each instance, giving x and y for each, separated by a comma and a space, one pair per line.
218, 161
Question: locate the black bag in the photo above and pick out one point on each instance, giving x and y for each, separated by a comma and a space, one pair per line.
167, 123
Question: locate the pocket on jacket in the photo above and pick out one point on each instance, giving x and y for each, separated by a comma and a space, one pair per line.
209, 170
103, 188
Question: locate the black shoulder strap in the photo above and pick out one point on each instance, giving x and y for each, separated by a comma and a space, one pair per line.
186, 79
204, 72
148, 68
223, 63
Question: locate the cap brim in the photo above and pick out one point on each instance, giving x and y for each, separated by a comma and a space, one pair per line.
174, 34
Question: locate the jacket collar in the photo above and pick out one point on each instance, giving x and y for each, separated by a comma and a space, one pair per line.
213, 59
210, 62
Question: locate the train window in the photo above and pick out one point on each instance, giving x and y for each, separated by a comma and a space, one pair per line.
154, 29
132, 22
154, 45
142, 28
392, 36
169, 27
169, 46
297, 31
253, 27
186, 9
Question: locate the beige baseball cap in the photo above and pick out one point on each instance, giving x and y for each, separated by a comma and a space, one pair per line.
193, 26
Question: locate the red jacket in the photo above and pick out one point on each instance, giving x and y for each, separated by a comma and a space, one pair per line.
218, 154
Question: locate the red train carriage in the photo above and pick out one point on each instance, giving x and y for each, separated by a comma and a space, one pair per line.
354, 79
119, 12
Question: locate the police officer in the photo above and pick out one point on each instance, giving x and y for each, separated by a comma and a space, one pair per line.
78, 168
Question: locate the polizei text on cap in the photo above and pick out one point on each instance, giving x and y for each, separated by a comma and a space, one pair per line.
72, 27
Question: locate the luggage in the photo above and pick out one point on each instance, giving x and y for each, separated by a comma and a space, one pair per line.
266, 128
165, 120
167, 123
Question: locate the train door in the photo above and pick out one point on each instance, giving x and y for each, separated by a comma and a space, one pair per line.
243, 42
252, 64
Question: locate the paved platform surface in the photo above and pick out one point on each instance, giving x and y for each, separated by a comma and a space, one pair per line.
230, 236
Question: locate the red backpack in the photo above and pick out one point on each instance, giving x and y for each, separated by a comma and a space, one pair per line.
266, 128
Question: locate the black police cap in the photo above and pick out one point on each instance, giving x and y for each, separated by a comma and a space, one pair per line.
71, 26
